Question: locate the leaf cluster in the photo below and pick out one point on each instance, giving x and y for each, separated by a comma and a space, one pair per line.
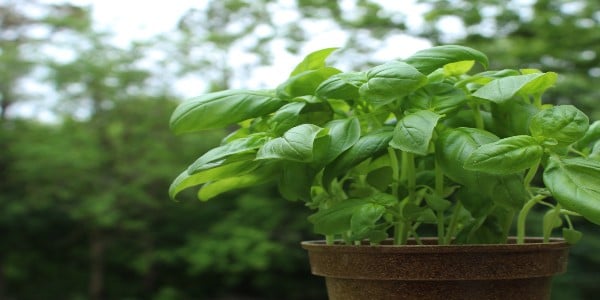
387, 151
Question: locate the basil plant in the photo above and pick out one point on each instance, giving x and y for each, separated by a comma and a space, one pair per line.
413, 145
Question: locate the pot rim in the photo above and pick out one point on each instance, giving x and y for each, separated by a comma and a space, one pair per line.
430, 245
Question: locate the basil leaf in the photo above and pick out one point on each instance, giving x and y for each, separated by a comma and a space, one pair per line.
505, 156
296, 144
341, 135
504, 89
313, 61
592, 135
263, 174
390, 82
413, 132
442, 98
295, 181
342, 86
509, 192
575, 183
220, 171
370, 145
364, 218
458, 68
455, 146
429, 60
296, 113
572, 236
512, 117
219, 109
247, 144
304, 83
335, 219
563, 123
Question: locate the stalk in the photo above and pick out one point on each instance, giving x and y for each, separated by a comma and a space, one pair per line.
409, 174
439, 191
395, 183
523, 217
453, 222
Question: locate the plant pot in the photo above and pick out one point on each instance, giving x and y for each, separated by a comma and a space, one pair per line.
430, 271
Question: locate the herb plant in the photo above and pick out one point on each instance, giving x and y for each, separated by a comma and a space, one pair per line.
385, 152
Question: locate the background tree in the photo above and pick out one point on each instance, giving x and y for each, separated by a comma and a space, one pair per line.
83, 204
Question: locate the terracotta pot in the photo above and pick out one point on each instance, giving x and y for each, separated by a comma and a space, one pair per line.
430, 271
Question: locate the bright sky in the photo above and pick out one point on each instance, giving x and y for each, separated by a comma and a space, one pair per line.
140, 20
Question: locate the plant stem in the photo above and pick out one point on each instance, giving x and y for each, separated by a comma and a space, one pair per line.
548, 228
395, 183
329, 238
408, 174
523, 217
439, 191
529, 176
453, 222
478, 118
408, 164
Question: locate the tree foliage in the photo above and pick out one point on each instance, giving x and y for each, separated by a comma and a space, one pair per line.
84, 210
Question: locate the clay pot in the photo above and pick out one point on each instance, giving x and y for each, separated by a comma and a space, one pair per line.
499, 271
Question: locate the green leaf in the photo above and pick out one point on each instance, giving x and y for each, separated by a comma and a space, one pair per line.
261, 175
414, 132
296, 180
505, 156
364, 218
442, 98
342, 86
550, 221
575, 184
249, 144
512, 117
592, 136
458, 68
368, 146
296, 113
219, 109
390, 82
342, 134
455, 146
296, 144
572, 236
436, 202
509, 192
564, 124
431, 59
304, 83
413, 212
223, 169
335, 219
505, 88
313, 61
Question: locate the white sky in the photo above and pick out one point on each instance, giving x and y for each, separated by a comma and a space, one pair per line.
140, 20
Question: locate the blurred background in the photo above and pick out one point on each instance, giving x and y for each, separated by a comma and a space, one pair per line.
86, 156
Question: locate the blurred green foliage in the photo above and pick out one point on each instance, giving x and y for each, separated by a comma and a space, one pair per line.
84, 211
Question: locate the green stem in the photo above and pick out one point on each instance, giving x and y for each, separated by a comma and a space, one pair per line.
529, 176
439, 191
440, 227
408, 164
548, 228
477, 115
329, 239
395, 183
395, 171
453, 223
408, 174
523, 217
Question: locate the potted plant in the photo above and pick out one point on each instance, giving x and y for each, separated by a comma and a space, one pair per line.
413, 146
